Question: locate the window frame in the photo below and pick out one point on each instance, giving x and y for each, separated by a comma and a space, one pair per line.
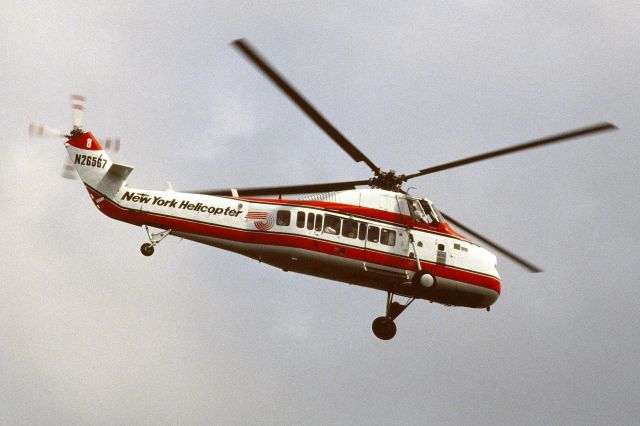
377, 231
353, 224
311, 217
284, 216
327, 218
388, 237
362, 231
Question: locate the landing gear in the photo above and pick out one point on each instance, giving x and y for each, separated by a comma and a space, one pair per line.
147, 249
384, 327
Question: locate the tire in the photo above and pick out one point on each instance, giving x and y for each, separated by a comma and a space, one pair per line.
384, 328
146, 249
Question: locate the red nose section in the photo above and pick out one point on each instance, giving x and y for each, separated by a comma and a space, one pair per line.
85, 141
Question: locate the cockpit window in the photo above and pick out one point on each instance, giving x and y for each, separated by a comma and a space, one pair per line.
438, 214
431, 213
421, 211
417, 212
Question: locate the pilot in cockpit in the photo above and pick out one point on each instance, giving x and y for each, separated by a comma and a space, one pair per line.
418, 214
422, 212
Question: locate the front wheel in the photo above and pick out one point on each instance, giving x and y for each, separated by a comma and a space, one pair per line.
146, 249
384, 328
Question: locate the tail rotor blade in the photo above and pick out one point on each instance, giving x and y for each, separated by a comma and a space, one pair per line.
77, 107
112, 144
68, 171
40, 131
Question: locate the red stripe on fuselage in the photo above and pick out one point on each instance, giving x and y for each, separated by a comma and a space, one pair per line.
137, 217
397, 219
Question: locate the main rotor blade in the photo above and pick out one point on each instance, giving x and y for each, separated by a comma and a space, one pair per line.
530, 266
600, 127
286, 190
298, 99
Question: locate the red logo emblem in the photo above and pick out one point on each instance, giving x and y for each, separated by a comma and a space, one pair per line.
263, 221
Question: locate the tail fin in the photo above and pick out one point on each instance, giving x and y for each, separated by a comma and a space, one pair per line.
94, 166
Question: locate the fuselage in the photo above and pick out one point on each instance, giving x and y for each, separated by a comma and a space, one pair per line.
367, 237
343, 242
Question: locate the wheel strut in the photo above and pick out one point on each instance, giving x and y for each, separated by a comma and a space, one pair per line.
147, 249
384, 327
394, 309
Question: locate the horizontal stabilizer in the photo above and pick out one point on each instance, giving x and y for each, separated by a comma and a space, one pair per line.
120, 171
114, 179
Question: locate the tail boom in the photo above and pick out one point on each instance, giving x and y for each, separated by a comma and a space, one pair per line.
88, 157
94, 166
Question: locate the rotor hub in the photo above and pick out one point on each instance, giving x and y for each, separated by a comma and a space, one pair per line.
389, 181
76, 131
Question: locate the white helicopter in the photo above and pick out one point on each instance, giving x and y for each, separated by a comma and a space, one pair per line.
378, 237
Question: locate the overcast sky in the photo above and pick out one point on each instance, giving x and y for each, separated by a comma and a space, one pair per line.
91, 332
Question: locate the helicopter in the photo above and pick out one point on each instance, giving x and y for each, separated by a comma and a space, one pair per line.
379, 237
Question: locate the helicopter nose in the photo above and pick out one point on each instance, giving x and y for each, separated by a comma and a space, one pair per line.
491, 262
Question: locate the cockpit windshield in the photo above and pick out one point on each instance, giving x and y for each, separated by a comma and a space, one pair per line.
419, 213
431, 213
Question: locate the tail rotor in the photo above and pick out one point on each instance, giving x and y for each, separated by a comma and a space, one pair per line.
78, 104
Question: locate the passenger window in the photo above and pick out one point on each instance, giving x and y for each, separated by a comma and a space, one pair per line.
362, 232
349, 228
374, 234
283, 218
331, 224
388, 237
300, 220
310, 219
318, 222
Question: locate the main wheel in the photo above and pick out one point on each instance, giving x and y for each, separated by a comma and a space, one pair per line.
146, 249
384, 328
